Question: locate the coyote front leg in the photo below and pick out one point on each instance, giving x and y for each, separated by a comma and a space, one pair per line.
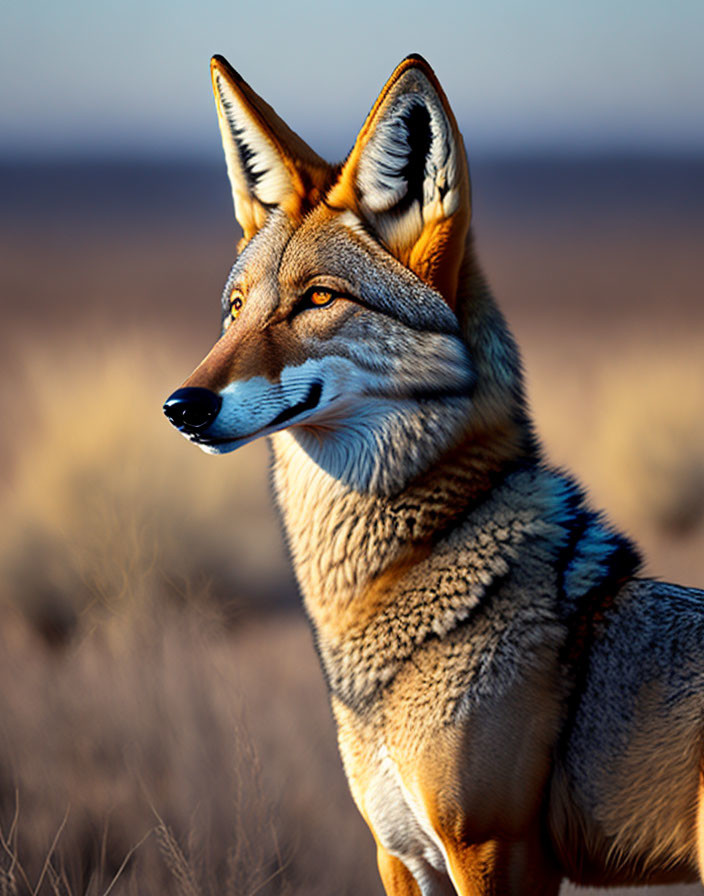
498, 869
396, 878
399, 881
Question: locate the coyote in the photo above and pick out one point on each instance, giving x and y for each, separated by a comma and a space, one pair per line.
514, 703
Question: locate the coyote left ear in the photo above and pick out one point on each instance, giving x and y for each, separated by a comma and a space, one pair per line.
407, 177
269, 166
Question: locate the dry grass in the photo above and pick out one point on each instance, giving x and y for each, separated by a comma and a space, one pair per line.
135, 745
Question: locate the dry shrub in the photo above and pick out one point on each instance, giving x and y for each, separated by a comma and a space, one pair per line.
126, 739
107, 504
649, 438
137, 764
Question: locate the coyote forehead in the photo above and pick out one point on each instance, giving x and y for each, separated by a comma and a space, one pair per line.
329, 246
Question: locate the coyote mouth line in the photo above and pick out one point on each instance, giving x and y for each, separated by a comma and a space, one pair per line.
309, 402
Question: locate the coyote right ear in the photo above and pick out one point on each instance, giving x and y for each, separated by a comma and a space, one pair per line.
269, 166
407, 177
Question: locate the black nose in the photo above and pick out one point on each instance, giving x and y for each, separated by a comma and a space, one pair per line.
192, 409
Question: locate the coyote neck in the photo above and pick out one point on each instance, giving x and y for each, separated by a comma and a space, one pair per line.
346, 543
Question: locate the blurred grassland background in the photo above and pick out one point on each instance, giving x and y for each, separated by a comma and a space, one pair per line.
163, 721
158, 674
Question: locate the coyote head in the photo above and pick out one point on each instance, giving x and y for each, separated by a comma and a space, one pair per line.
344, 318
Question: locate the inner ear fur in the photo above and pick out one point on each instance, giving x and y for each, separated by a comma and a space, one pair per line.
268, 164
407, 177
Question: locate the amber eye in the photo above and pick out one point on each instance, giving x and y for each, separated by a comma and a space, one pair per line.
317, 297
237, 300
321, 297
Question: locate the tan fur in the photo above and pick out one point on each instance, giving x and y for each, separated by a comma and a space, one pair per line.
513, 704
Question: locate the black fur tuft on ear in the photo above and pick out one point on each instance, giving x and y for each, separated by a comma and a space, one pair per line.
393, 172
416, 123
247, 155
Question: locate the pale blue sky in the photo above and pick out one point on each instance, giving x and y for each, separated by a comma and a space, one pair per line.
132, 76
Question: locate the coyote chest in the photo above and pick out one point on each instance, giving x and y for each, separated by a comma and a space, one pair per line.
448, 736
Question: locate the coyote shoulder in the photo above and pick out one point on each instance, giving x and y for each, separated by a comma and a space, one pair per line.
514, 703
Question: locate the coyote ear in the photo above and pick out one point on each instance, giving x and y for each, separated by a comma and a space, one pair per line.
269, 166
407, 177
